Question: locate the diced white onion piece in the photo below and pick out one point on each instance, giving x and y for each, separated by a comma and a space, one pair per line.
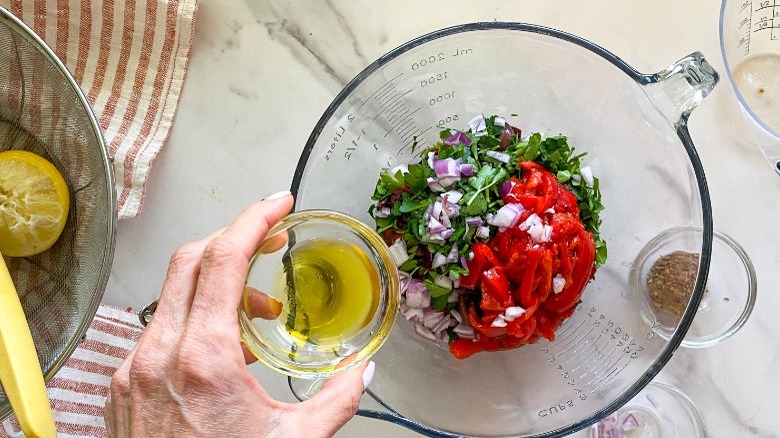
483, 233
576, 177
424, 332
455, 314
587, 175
439, 259
432, 238
443, 281
464, 331
399, 252
445, 168
498, 322
514, 312
500, 156
431, 157
471, 255
434, 185
558, 282
506, 216
453, 196
477, 124
449, 181
453, 297
402, 167
550, 210
536, 232
499, 121
533, 219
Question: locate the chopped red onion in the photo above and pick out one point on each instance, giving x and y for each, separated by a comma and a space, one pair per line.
452, 256
432, 317
446, 168
453, 296
442, 324
436, 210
453, 196
456, 138
427, 214
413, 314
630, 422
456, 315
550, 210
464, 331
500, 156
558, 282
482, 232
467, 169
431, 158
382, 212
434, 226
473, 221
439, 259
433, 238
506, 216
424, 332
418, 299
504, 189
477, 125
434, 185
399, 252
449, 181
446, 234
464, 262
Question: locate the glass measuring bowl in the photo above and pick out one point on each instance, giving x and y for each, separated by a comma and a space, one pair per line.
750, 44
633, 127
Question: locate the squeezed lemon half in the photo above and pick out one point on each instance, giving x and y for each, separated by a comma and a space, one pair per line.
34, 203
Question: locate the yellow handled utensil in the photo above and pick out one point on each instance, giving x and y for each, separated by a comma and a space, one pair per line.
20, 372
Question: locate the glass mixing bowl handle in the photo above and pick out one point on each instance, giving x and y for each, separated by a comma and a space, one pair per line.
678, 89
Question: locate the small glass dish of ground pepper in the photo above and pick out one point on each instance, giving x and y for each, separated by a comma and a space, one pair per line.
662, 281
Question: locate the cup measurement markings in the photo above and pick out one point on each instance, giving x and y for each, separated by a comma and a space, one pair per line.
599, 347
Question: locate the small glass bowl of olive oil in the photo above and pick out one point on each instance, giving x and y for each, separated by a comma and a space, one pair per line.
339, 289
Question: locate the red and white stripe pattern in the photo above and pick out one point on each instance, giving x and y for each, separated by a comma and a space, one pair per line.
130, 58
78, 391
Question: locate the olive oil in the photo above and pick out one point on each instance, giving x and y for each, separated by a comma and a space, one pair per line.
331, 290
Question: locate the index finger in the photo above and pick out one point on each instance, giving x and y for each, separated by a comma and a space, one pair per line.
225, 262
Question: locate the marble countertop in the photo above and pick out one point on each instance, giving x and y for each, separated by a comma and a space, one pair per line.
262, 72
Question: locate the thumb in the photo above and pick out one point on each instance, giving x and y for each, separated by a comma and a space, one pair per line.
338, 400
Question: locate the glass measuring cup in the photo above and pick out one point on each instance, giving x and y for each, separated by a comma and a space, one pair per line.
633, 127
750, 44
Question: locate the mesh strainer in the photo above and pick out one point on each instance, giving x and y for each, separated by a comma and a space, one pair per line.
42, 110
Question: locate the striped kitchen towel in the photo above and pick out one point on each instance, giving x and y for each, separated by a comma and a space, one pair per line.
130, 59
79, 389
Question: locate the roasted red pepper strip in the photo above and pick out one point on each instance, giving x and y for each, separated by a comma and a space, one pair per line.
581, 274
495, 289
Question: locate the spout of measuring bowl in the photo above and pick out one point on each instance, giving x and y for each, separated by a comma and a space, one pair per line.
678, 89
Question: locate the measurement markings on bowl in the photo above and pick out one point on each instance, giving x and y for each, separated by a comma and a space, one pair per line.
590, 351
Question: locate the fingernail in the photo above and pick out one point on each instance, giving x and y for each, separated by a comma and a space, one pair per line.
368, 374
278, 195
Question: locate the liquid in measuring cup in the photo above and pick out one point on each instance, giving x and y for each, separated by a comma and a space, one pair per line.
757, 77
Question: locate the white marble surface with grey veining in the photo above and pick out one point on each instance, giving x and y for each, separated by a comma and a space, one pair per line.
262, 72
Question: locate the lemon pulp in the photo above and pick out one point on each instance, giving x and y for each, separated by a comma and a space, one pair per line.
34, 203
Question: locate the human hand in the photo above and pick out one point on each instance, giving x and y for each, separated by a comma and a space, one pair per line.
187, 375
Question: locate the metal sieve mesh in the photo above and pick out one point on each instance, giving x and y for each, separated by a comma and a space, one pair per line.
42, 110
